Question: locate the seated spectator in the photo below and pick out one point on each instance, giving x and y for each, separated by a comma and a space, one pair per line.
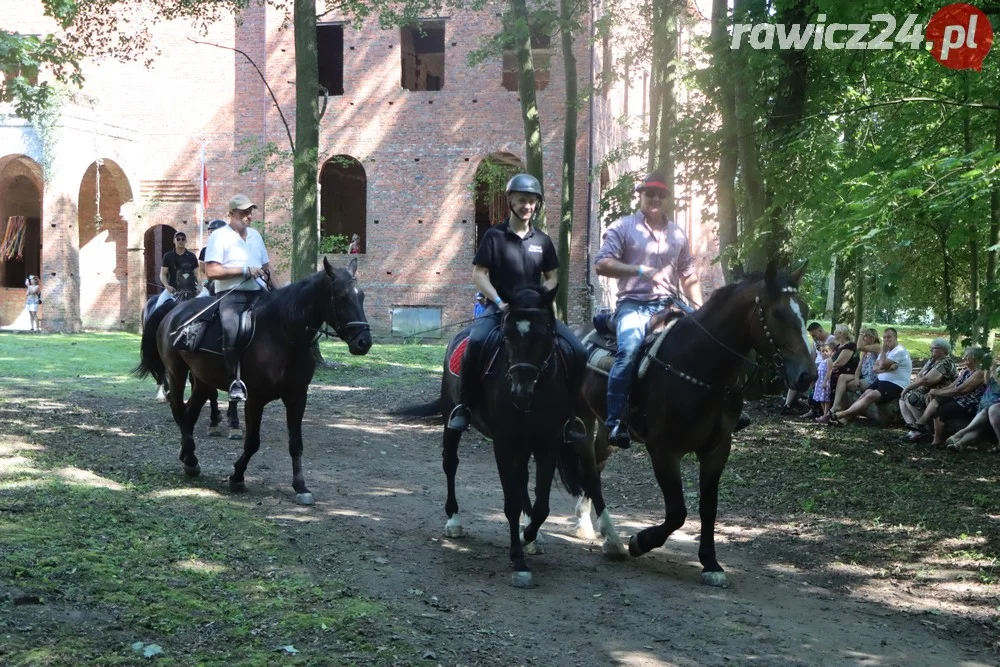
939, 371
864, 373
989, 412
959, 400
893, 368
843, 362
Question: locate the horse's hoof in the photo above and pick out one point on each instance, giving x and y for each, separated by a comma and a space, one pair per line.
614, 550
454, 527
237, 487
633, 547
160, 398
521, 580
214, 432
715, 579
192, 471
305, 499
235, 434
585, 530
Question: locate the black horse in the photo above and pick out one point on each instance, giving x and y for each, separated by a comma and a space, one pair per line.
690, 400
151, 318
525, 408
276, 364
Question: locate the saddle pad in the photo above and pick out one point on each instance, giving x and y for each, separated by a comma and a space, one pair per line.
601, 355
455, 360
211, 341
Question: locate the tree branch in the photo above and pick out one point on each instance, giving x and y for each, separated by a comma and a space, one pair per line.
902, 100
288, 130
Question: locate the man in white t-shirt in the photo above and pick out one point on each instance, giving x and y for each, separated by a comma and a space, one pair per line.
235, 258
893, 369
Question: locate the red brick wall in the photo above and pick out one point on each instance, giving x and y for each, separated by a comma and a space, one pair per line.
419, 150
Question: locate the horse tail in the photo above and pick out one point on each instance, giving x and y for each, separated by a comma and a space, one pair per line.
150, 362
430, 410
570, 469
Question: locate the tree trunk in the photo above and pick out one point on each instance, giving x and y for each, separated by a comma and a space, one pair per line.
859, 293
754, 227
990, 302
725, 180
304, 213
949, 308
526, 88
569, 159
973, 228
840, 269
663, 80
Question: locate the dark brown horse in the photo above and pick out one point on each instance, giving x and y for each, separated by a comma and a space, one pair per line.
525, 408
690, 400
276, 364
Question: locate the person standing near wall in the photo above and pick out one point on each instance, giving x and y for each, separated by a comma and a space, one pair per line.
32, 301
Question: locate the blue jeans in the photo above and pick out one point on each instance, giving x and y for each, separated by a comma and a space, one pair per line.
631, 319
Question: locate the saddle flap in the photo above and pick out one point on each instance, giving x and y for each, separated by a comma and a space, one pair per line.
491, 350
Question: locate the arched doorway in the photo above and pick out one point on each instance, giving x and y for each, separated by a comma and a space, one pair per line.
343, 202
103, 245
489, 182
20, 231
157, 240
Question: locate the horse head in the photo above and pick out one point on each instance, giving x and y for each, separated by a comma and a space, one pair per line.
344, 310
529, 328
781, 326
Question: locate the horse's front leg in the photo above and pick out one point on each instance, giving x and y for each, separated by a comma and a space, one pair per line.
710, 471
449, 460
216, 415
295, 408
252, 413
545, 469
514, 486
667, 468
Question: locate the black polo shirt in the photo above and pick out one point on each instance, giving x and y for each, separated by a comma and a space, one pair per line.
182, 270
514, 261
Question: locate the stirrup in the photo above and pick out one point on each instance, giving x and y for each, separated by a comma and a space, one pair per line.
460, 418
574, 431
619, 436
237, 391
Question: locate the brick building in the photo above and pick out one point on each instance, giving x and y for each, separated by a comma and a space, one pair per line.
408, 124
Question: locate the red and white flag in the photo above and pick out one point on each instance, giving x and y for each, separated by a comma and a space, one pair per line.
204, 182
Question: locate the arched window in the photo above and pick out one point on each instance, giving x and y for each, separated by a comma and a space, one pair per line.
20, 221
343, 204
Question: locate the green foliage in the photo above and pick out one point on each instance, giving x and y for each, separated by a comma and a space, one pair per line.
334, 244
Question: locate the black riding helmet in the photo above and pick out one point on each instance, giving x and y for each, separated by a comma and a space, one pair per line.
215, 224
528, 184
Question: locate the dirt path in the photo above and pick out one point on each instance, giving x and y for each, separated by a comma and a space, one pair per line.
378, 523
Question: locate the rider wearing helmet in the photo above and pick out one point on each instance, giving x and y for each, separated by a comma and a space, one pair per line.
209, 285
513, 254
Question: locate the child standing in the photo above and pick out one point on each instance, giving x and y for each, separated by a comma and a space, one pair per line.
821, 392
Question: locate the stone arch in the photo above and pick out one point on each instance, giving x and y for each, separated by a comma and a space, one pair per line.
156, 241
343, 200
489, 182
21, 187
103, 232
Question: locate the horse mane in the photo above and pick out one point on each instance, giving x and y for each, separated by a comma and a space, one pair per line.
722, 295
295, 302
529, 296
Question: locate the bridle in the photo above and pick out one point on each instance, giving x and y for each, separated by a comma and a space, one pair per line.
540, 369
758, 309
341, 331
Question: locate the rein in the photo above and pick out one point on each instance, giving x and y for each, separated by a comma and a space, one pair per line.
539, 370
759, 310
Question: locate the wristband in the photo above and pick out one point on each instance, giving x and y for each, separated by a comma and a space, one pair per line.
498, 301
639, 272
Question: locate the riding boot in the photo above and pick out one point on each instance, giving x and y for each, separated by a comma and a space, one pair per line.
743, 422
617, 422
461, 415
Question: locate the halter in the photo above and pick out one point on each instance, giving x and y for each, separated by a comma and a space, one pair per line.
539, 370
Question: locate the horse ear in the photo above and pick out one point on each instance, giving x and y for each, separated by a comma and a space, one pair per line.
771, 276
353, 266
327, 267
798, 273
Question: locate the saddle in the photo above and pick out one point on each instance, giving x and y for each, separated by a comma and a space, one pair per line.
491, 351
601, 343
203, 333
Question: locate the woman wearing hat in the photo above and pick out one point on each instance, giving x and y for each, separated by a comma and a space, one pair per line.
651, 258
